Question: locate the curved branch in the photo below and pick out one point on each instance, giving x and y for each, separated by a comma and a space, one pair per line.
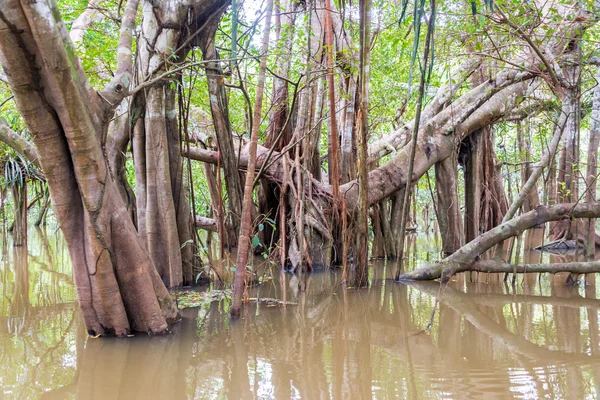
19, 144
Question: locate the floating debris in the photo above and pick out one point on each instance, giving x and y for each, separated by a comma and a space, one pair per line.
271, 302
191, 298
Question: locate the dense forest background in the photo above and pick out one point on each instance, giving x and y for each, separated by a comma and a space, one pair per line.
175, 138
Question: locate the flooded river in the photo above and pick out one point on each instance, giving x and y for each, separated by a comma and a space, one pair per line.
485, 340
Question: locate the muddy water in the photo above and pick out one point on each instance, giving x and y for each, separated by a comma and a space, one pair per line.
538, 339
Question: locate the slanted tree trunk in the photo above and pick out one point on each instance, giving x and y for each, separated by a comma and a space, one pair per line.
118, 287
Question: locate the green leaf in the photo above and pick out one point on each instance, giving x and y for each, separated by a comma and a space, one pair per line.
255, 241
261, 227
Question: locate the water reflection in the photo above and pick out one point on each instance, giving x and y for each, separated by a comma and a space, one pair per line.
535, 339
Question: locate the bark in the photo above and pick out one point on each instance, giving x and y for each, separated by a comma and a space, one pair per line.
116, 142
334, 175
473, 183
567, 179
467, 254
280, 128
205, 223
493, 266
246, 220
117, 285
164, 216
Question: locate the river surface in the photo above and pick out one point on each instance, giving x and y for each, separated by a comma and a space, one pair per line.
485, 340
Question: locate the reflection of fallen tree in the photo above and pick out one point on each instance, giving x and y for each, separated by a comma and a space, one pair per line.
499, 300
492, 266
463, 304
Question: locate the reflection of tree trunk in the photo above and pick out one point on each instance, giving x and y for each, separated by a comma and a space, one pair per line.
462, 304
19, 309
19, 196
240, 383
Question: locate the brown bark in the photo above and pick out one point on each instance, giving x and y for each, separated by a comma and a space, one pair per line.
18, 143
334, 175
118, 288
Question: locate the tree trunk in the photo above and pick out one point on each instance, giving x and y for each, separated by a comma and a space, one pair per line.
449, 218
118, 288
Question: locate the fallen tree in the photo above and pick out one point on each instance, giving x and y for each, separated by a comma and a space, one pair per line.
463, 259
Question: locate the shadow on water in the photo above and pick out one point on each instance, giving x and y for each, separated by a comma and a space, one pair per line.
486, 340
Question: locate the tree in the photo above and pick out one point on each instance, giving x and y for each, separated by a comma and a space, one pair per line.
118, 286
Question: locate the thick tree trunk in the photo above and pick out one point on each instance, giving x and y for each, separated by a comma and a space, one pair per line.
118, 288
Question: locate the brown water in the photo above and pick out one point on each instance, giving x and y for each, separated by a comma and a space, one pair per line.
537, 340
